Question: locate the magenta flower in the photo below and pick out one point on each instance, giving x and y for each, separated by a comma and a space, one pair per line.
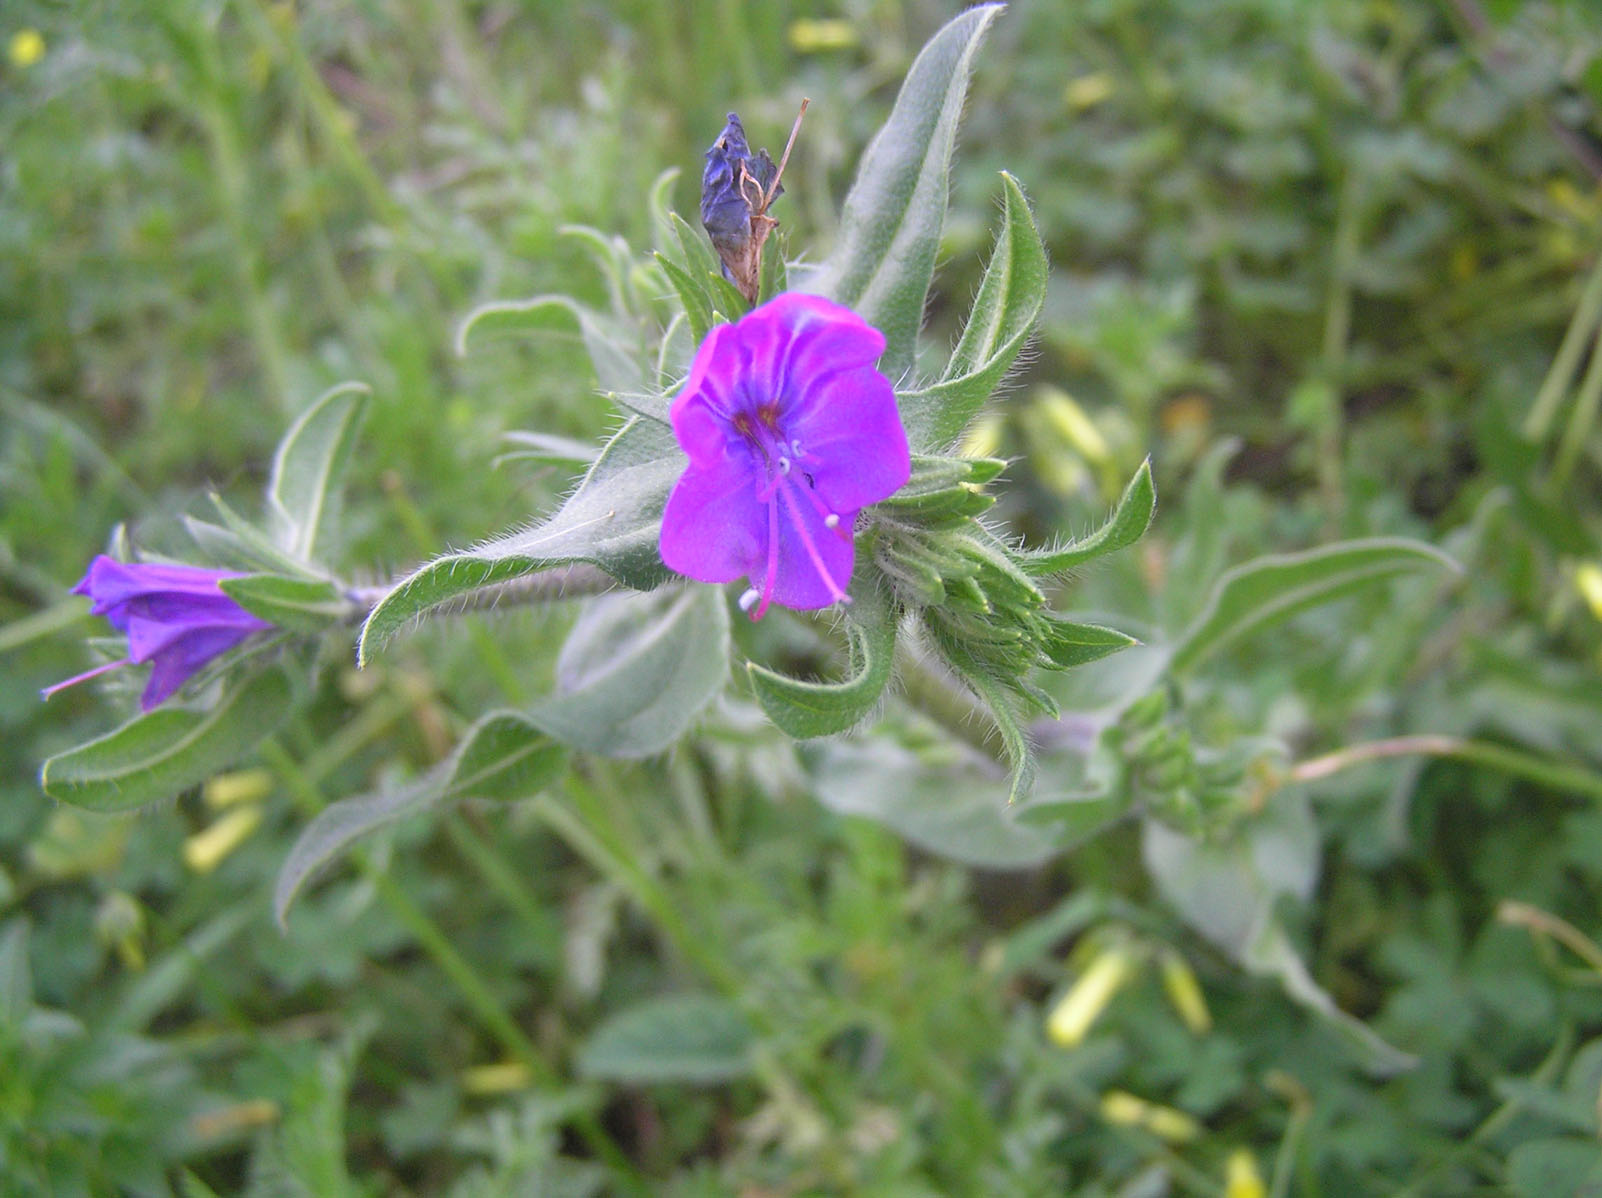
790, 432
175, 617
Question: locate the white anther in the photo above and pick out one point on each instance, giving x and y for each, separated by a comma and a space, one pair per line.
784, 465
749, 599
831, 521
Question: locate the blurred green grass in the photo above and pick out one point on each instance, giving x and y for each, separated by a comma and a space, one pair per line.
1348, 236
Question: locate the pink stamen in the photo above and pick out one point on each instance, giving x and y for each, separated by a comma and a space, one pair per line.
773, 557
84, 677
831, 519
835, 592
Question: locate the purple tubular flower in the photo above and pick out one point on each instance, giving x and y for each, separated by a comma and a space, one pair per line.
790, 432
175, 617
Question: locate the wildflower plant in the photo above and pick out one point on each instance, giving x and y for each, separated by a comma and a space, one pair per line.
783, 443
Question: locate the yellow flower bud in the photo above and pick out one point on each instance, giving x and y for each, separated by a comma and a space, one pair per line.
1072, 1018
508, 1077
1125, 1110
1588, 578
809, 36
1241, 1178
206, 849
241, 786
27, 47
1185, 992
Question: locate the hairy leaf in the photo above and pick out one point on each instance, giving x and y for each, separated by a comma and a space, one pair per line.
612, 521
637, 670
503, 756
160, 753
1270, 589
1004, 315
890, 224
309, 465
809, 709
1128, 524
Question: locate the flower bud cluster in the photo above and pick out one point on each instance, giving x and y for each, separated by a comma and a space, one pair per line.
982, 611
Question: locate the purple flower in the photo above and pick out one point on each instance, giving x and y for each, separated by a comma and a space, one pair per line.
790, 432
175, 617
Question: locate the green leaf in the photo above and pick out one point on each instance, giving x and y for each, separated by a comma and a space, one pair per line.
1227, 891
309, 465
1541, 1168
16, 974
1270, 589
637, 670
808, 709
617, 368
1004, 314
1128, 524
613, 521
156, 755
956, 809
503, 756
303, 604
679, 1038
890, 224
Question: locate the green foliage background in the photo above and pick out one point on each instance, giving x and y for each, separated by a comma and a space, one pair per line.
1317, 260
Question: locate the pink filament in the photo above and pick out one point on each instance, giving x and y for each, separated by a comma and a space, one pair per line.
835, 592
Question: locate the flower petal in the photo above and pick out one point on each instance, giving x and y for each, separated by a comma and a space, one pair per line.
183, 658
714, 529
854, 431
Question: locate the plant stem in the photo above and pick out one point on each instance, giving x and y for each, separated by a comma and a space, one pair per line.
1558, 376
1581, 420
1499, 757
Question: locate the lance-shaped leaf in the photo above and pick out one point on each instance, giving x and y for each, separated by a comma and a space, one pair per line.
687, 1038
309, 465
163, 752
890, 224
1274, 588
611, 521
1228, 892
955, 809
1128, 524
302, 604
809, 709
618, 370
1004, 314
503, 756
237, 544
637, 670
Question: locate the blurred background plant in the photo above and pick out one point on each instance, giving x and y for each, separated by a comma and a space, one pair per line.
1337, 268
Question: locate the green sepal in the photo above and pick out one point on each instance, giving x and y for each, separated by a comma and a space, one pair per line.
298, 604
697, 307
1069, 644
